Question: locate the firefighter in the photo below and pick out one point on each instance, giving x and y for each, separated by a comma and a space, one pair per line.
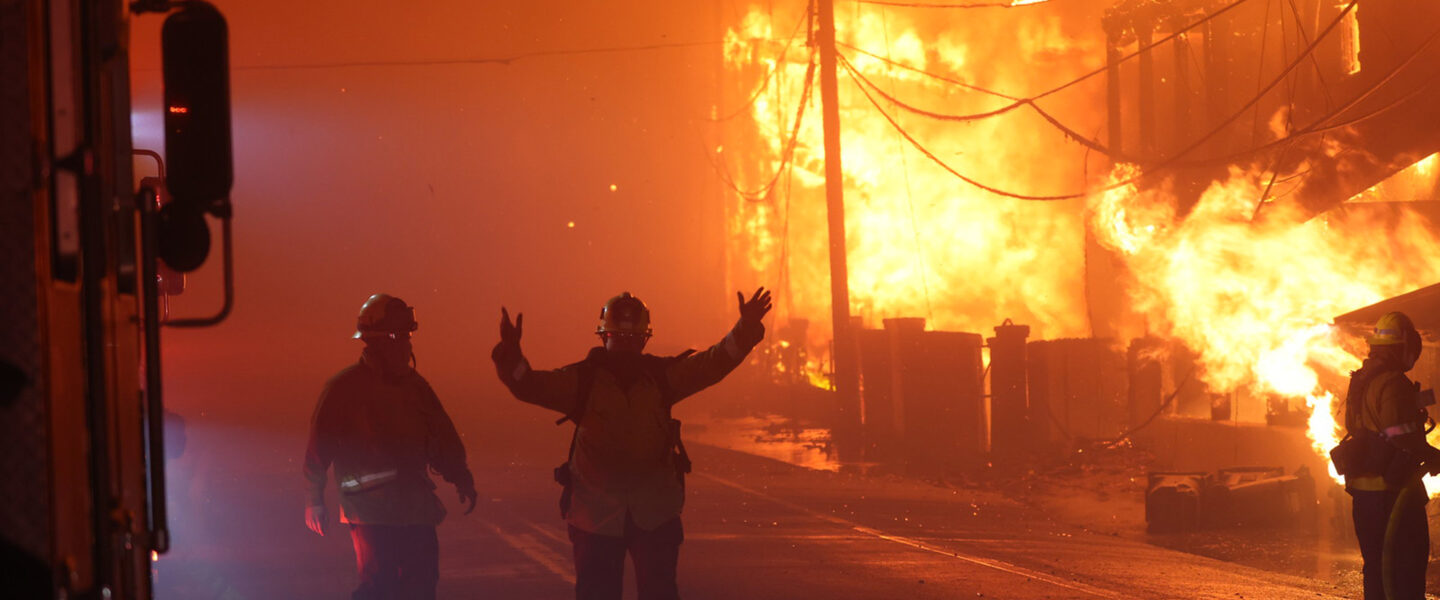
624, 477
1383, 454
381, 426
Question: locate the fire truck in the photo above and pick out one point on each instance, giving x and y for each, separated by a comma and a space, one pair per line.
88, 252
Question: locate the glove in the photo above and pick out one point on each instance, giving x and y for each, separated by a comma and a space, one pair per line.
510, 333
316, 519
752, 330
508, 349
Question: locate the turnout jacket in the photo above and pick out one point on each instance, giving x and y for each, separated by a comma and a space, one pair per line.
1387, 407
624, 460
381, 432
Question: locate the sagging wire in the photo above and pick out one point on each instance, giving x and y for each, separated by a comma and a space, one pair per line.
936, 76
1289, 120
1309, 49
852, 71
787, 153
1143, 49
1305, 37
502, 60
1017, 102
769, 75
1069, 132
1260, 71
1098, 147
1319, 124
1168, 162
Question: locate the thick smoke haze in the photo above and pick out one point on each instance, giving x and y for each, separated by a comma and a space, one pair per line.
543, 181
461, 156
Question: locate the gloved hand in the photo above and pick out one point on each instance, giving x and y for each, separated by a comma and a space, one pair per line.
467, 494
510, 334
509, 346
751, 313
754, 310
316, 519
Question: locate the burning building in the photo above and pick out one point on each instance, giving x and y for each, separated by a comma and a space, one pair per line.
1215, 181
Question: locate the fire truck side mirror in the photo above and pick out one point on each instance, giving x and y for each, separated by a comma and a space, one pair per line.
196, 65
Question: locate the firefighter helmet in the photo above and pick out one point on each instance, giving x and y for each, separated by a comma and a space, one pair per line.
624, 314
1393, 328
384, 314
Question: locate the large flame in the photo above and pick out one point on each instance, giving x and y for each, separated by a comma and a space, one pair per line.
919, 245
1249, 286
1253, 297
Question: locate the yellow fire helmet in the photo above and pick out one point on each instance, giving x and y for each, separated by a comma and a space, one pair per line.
624, 314
1393, 328
384, 314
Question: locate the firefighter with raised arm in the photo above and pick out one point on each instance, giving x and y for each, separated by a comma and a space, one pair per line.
382, 428
1382, 457
624, 477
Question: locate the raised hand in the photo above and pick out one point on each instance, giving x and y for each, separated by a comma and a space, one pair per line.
754, 310
510, 333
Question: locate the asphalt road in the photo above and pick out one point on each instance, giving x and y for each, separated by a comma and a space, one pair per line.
755, 528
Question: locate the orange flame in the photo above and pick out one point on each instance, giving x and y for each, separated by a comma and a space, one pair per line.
1249, 286
919, 244
1253, 298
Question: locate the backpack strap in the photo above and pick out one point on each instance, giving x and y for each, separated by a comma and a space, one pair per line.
659, 368
585, 380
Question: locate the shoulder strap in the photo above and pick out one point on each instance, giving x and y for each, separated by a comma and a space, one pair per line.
1357, 397
1384, 379
585, 373
658, 367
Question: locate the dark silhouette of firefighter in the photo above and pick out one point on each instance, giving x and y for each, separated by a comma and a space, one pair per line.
382, 427
1383, 456
624, 476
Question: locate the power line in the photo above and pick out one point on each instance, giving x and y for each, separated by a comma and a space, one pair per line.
1266, 89
1017, 102
1305, 37
1319, 126
1069, 132
787, 153
502, 60
849, 68
936, 76
1072, 82
769, 75
1153, 169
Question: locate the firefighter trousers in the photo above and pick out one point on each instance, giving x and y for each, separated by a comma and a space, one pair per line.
396, 562
1411, 550
600, 561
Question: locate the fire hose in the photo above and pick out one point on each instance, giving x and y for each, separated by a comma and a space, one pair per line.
1402, 501
1392, 525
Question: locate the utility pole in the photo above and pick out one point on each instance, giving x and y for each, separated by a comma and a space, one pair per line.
846, 363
